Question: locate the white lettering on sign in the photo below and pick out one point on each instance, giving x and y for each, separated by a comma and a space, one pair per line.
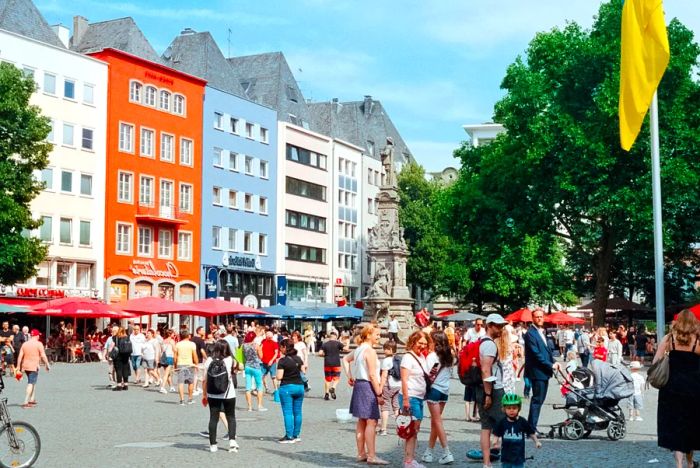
146, 268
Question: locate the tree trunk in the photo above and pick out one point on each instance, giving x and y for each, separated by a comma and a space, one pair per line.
603, 261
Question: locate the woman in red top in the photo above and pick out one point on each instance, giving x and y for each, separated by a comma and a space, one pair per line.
600, 352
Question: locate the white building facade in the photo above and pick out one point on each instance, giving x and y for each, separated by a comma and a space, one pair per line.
304, 214
372, 179
72, 92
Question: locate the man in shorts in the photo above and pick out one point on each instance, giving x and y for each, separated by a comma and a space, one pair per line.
31, 355
198, 340
330, 350
488, 396
270, 355
185, 361
137, 339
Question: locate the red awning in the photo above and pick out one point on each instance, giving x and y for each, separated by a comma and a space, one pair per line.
21, 301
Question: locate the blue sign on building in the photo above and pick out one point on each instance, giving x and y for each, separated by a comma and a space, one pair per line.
281, 292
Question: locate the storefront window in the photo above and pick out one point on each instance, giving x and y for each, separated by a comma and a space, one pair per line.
187, 293
118, 291
166, 291
144, 289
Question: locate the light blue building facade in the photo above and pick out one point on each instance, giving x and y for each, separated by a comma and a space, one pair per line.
239, 198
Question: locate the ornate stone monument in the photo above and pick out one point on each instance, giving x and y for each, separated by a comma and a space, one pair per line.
388, 254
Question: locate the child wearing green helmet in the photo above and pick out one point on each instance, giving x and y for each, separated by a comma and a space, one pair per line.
511, 432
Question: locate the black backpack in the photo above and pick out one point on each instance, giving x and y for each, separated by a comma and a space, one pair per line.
395, 370
217, 378
124, 345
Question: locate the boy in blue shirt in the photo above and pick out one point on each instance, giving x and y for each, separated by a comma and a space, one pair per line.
511, 432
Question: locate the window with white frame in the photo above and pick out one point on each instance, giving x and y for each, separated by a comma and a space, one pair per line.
126, 137
135, 90
233, 122
249, 165
49, 83
146, 191
68, 130
87, 140
166, 147
216, 196
88, 93
149, 96
86, 185
263, 205
263, 169
84, 275
66, 181
125, 187
186, 151
179, 104
186, 198
46, 229
248, 242
233, 199
166, 195
249, 130
184, 246
218, 120
248, 202
232, 234
217, 157
164, 101
69, 89
147, 137
216, 237
145, 241
165, 243
123, 238
50, 137
47, 178
263, 135
262, 244
66, 231
233, 161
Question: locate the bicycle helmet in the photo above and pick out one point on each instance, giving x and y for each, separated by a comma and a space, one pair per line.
511, 399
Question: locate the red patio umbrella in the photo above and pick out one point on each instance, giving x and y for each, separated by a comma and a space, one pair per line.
446, 313
695, 310
57, 303
216, 307
520, 315
82, 309
562, 318
153, 305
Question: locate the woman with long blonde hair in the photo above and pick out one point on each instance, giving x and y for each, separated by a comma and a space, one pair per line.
678, 410
362, 370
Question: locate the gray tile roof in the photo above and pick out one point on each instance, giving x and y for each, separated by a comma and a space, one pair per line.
198, 54
121, 34
268, 80
22, 17
358, 122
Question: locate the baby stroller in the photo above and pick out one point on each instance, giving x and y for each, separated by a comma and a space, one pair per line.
592, 401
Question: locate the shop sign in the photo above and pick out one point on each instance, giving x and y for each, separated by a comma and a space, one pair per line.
40, 292
250, 301
146, 268
281, 290
242, 262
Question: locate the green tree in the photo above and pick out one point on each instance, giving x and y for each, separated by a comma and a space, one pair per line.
560, 171
23, 150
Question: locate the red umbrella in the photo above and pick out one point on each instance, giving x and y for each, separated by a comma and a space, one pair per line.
695, 310
562, 318
446, 313
520, 315
153, 305
57, 303
81, 309
215, 307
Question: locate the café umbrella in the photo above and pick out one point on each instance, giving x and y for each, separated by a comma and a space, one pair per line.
520, 315
216, 307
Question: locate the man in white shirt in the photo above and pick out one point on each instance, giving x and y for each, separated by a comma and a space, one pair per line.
569, 339
475, 333
393, 329
137, 339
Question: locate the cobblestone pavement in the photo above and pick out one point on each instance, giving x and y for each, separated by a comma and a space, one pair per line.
82, 424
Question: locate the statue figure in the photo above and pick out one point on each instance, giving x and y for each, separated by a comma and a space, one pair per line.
387, 156
403, 239
382, 282
395, 240
372, 241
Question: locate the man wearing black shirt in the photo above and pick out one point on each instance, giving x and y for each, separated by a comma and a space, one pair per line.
330, 350
640, 343
198, 340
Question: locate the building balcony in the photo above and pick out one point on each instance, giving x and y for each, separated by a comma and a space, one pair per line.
160, 215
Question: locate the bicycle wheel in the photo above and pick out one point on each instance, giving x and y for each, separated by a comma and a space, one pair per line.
27, 450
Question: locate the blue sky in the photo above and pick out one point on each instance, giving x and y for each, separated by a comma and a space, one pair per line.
434, 65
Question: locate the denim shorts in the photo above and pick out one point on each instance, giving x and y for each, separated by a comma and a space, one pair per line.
135, 361
32, 376
416, 405
436, 396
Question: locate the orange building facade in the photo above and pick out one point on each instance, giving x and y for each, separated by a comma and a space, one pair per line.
154, 176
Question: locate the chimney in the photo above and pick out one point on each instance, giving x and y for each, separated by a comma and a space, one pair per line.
187, 32
80, 26
367, 106
62, 32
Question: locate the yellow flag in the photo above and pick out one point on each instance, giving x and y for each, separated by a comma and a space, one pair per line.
644, 57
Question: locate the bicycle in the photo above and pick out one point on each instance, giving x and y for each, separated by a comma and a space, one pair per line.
23, 442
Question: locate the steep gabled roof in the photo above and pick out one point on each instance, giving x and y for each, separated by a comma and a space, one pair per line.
22, 17
268, 80
358, 122
121, 34
199, 55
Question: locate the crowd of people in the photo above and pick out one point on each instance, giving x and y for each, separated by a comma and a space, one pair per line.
275, 362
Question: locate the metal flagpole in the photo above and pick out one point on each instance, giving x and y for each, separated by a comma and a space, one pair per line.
658, 232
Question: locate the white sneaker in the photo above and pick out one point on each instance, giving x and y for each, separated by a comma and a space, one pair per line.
427, 456
213, 448
446, 458
173, 390
196, 393
163, 390
638, 418
262, 409
631, 418
233, 446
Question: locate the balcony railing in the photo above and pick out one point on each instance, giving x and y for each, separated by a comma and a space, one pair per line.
160, 214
